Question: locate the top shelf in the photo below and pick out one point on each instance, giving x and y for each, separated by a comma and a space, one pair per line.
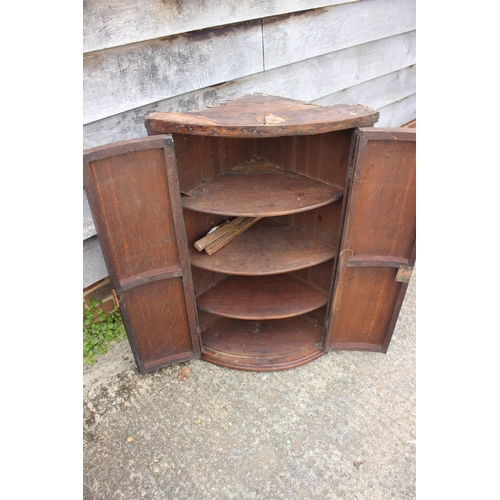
259, 115
260, 194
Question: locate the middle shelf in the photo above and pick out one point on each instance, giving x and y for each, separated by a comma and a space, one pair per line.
266, 248
256, 298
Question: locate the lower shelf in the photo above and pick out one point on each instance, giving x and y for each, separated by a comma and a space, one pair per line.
262, 345
259, 298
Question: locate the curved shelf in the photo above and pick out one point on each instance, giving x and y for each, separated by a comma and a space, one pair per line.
259, 115
261, 298
261, 194
261, 345
264, 249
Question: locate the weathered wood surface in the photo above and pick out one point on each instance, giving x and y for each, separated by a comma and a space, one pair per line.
119, 22
88, 222
262, 345
201, 158
262, 297
114, 79
119, 79
288, 39
379, 235
398, 113
260, 115
398, 84
266, 248
264, 195
308, 80
133, 193
94, 267
322, 157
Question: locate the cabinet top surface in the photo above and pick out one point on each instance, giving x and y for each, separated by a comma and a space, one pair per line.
259, 115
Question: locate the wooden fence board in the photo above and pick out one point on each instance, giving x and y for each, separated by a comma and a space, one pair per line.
288, 39
378, 92
123, 78
119, 22
89, 229
94, 268
307, 80
398, 113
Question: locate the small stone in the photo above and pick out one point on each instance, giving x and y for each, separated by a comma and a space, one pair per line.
130, 439
184, 373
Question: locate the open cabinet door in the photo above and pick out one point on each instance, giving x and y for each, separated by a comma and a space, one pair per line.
134, 196
377, 250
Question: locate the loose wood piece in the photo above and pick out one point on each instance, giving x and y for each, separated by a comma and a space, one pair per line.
268, 247
260, 194
233, 231
211, 236
264, 297
224, 233
259, 115
262, 345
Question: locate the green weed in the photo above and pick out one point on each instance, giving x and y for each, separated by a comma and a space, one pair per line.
99, 330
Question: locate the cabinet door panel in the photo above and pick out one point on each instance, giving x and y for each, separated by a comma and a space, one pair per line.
377, 252
134, 196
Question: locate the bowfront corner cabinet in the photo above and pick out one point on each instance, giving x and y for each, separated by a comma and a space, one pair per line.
324, 265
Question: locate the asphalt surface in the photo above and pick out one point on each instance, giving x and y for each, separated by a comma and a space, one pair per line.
340, 427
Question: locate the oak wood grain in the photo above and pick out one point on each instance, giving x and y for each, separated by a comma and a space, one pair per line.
379, 236
266, 248
260, 195
132, 190
263, 345
259, 115
262, 297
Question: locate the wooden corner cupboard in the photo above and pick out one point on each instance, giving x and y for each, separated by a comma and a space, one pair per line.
325, 267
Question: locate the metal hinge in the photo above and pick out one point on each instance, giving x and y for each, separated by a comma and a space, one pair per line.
404, 274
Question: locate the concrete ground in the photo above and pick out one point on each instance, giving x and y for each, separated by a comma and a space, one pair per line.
342, 426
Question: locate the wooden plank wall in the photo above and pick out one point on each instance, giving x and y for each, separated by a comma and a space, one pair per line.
184, 55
